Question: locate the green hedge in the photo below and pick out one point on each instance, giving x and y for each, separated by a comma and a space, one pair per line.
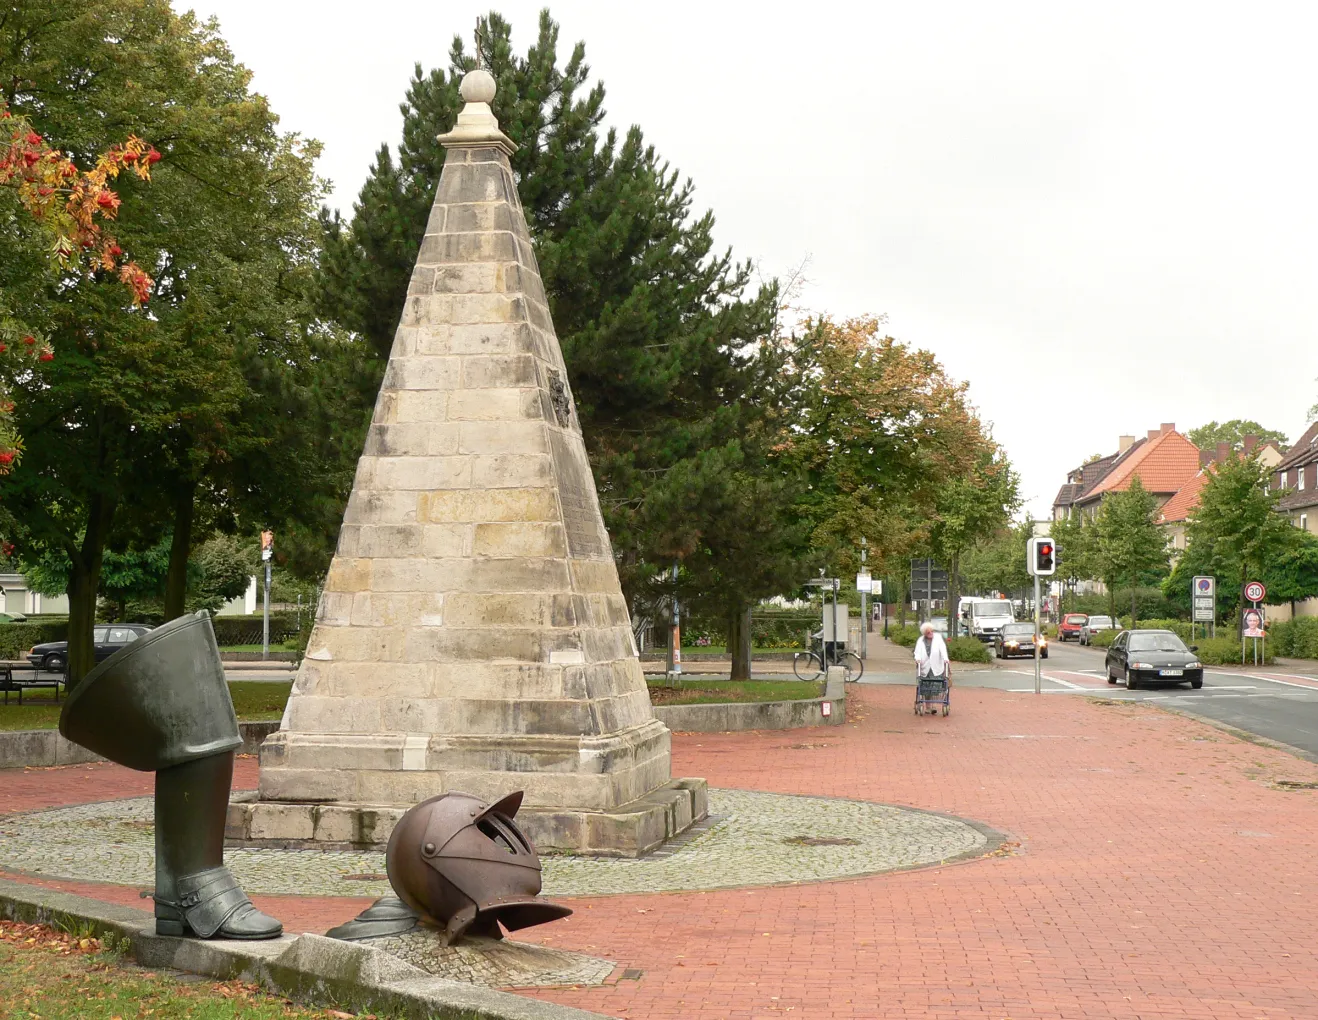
1297, 639
17, 638
968, 649
1225, 651
1180, 628
1103, 638
246, 630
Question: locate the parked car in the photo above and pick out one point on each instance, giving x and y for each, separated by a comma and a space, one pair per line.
1071, 625
108, 639
940, 624
1093, 625
1153, 656
1018, 639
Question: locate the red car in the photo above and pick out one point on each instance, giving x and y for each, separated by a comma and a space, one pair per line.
1069, 628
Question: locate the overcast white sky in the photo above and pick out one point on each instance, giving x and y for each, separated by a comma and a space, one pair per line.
1102, 216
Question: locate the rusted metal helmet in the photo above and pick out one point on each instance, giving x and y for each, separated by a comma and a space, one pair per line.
465, 866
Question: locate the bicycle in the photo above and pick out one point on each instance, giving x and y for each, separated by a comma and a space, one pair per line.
809, 665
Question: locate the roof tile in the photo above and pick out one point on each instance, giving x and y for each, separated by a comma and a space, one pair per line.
1163, 464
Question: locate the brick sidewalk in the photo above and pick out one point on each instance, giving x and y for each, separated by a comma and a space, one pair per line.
1160, 873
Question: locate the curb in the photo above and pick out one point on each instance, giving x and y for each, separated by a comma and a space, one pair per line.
308, 968
724, 717
46, 748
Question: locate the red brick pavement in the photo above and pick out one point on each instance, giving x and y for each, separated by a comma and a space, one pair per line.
1160, 873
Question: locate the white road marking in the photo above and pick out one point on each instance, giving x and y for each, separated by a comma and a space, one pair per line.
1285, 683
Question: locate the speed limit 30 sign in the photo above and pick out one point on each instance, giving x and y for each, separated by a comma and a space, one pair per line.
1255, 592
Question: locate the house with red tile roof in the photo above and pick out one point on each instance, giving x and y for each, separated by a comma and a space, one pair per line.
1164, 461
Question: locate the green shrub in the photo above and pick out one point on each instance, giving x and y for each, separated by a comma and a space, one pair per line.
968, 649
1296, 638
1225, 651
246, 630
17, 638
904, 636
1103, 638
1178, 627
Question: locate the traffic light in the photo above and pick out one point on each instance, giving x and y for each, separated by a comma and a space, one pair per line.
1042, 557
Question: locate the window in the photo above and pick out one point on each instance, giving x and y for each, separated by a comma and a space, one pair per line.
101, 635
120, 635
1304, 522
1299, 478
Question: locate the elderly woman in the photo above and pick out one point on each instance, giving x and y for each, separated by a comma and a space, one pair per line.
931, 653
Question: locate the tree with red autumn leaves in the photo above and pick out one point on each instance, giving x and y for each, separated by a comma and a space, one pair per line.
71, 205
198, 413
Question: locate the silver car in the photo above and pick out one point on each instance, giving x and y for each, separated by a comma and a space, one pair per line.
1094, 625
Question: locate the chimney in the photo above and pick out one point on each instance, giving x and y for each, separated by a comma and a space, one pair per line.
1223, 452
1250, 442
1167, 426
1153, 434
1124, 443
1205, 458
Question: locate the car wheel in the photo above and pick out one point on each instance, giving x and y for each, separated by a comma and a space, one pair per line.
1131, 682
1196, 684
1111, 677
1043, 655
53, 664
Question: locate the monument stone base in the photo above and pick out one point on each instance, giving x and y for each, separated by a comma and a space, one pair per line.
628, 830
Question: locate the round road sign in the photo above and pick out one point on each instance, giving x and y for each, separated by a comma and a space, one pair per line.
1255, 592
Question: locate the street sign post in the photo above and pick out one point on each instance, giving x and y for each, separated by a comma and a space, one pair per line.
267, 551
1203, 603
1251, 620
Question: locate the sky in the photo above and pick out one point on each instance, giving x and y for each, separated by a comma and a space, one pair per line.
1101, 216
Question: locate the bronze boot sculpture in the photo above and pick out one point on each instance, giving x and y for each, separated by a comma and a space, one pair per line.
161, 705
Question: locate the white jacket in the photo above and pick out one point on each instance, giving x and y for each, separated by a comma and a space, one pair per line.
934, 662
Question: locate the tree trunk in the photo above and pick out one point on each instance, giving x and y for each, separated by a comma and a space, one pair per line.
180, 548
739, 642
84, 580
953, 590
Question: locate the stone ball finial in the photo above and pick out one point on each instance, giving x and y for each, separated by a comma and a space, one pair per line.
477, 86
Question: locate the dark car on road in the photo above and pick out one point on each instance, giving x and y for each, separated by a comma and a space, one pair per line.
1153, 656
1071, 625
108, 638
1018, 639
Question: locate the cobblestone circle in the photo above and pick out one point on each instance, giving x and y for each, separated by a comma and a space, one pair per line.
492, 962
755, 839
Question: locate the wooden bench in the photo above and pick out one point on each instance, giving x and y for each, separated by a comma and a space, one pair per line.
20, 675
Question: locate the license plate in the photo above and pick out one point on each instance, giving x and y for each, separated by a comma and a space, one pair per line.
1171, 672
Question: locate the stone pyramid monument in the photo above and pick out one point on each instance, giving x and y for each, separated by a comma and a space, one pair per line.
472, 635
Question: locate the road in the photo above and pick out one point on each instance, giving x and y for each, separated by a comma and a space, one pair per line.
1276, 703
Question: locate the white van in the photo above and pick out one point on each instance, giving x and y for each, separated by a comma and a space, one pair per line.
988, 616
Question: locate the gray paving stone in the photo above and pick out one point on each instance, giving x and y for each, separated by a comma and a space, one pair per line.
752, 839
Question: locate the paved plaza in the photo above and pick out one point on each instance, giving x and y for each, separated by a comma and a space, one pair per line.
1153, 866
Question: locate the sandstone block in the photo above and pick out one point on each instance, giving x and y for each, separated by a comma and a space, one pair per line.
348, 575
496, 371
490, 438
511, 471
443, 540
488, 505
420, 405
424, 472
423, 372
311, 713
479, 216
280, 821
595, 576
492, 405
468, 278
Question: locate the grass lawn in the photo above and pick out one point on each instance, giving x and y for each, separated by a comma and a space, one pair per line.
50, 975
712, 692
254, 701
